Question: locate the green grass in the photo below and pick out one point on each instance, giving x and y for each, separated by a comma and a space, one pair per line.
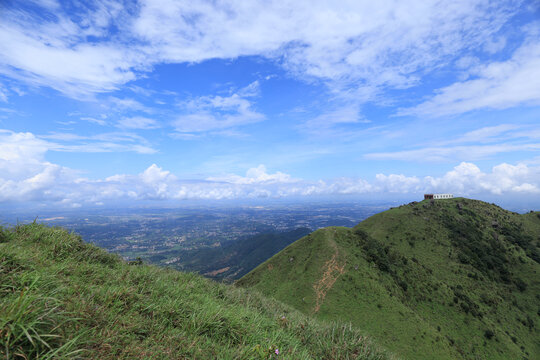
445, 279
61, 298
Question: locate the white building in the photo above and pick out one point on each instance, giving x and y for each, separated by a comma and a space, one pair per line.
438, 196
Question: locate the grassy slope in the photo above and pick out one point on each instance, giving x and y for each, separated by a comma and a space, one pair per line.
63, 298
446, 279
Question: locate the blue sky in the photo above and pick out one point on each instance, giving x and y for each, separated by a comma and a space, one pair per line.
137, 101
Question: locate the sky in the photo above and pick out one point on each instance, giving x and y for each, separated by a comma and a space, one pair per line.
164, 101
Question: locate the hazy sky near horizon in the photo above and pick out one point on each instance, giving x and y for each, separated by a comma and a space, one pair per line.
107, 101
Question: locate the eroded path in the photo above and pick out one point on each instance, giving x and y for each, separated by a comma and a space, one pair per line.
332, 269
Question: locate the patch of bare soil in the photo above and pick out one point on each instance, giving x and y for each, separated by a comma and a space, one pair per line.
217, 272
331, 271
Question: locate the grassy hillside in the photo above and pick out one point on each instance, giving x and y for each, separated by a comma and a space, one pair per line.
61, 298
437, 279
233, 259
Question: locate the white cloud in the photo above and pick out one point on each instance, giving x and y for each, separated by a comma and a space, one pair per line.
489, 133
498, 85
48, 47
394, 183
366, 43
257, 175
495, 45
20, 146
481, 143
382, 43
3, 94
120, 105
26, 175
138, 122
344, 186
212, 113
75, 69
467, 178
104, 142
94, 120
452, 153
48, 4
158, 179
335, 122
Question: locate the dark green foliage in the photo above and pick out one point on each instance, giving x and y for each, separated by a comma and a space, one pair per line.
489, 334
137, 261
520, 284
482, 252
530, 322
375, 250
514, 233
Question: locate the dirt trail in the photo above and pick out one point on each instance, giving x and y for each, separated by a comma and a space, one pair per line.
331, 271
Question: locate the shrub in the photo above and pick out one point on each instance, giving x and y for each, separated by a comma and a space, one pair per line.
520, 284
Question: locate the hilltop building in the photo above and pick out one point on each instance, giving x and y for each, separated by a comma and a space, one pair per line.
437, 196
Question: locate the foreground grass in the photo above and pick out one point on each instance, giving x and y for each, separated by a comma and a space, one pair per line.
62, 298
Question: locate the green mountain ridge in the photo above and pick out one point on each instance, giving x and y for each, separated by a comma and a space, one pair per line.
61, 298
444, 279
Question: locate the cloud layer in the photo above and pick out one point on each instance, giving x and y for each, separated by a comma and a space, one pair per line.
497, 85
367, 44
217, 113
25, 175
482, 143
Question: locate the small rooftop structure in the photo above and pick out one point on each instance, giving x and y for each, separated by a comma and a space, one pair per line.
437, 196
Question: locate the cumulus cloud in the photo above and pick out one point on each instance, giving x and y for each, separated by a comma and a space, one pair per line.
394, 183
463, 180
25, 175
258, 175
467, 178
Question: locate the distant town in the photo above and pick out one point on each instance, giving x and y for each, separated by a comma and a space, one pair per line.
172, 233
